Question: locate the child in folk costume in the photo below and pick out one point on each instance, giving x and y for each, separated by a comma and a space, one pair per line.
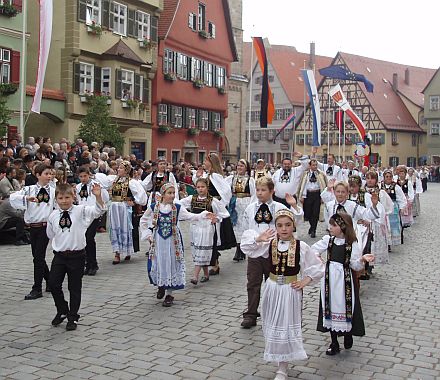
418, 189
154, 181
398, 197
406, 214
124, 193
160, 226
219, 188
282, 298
340, 309
203, 232
243, 193
380, 227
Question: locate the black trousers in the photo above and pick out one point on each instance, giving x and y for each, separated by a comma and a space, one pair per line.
312, 205
91, 262
73, 266
424, 184
103, 221
135, 220
18, 223
256, 269
281, 200
39, 242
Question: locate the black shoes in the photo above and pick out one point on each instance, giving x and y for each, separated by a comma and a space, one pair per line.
21, 242
33, 295
333, 349
59, 318
204, 279
168, 301
214, 272
365, 276
71, 325
248, 322
313, 234
92, 271
193, 281
160, 293
348, 341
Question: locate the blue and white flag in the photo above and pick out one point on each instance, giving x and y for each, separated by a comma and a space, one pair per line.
309, 81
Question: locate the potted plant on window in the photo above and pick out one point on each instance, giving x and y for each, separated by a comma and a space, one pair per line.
221, 90
109, 98
204, 34
143, 106
164, 129
171, 77
218, 133
94, 28
85, 96
193, 131
8, 10
198, 83
130, 103
8, 88
146, 43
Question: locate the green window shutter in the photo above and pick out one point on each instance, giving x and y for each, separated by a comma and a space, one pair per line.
131, 23
210, 121
146, 91
118, 84
82, 10
105, 16
76, 77
154, 27
137, 86
97, 80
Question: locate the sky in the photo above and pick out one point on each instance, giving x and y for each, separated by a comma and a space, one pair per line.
405, 32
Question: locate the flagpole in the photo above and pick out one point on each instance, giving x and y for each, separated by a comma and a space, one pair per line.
304, 111
22, 70
250, 104
343, 139
339, 140
328, 127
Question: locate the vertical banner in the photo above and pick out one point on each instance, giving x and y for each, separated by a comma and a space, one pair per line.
309, 81
267, 111
46, 14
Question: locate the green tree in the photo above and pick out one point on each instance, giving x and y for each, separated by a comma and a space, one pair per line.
98, 126
5, 116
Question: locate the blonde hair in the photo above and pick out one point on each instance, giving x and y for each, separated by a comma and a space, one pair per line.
265, 181
216, 166
341, 183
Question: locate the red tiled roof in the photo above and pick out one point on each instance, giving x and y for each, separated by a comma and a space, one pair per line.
167, 16
287, 63
387, 104
121, 50
47, 93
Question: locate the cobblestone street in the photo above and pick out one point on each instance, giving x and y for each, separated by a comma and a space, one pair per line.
125, 333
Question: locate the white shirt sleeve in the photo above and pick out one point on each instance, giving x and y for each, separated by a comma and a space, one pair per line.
139, 194
410, 191
250, 247
321, 246
356, 262
400, 197
310, 263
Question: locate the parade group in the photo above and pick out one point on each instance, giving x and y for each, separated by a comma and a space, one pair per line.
68, 192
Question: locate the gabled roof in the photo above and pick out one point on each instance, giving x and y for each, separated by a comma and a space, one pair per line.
287, 63
386, 102
170, 9
436, 72
121, 50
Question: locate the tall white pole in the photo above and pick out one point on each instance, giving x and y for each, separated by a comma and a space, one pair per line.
22, 70
250, 103
328, 127
343, 140
339, 140
304, 112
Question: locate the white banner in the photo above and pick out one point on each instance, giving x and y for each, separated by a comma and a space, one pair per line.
46, 14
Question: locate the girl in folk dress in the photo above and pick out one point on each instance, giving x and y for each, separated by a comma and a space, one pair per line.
282, 298
124, 192
418, 189
406, 213
160, 226
203, 231
340, 309
243, 194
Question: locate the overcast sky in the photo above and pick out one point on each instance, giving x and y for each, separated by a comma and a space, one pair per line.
390, 30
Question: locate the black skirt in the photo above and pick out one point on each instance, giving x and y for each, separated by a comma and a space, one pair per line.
227, 235
357, 322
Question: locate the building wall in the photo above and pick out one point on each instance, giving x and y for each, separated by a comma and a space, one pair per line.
432, 116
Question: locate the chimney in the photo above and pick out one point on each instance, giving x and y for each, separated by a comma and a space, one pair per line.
395, 82
407, 76
312, 55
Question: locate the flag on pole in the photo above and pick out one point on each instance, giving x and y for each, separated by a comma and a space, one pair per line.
267, 110
46, 14
339, 98
309, 81
341, 72
289, 120
339, 120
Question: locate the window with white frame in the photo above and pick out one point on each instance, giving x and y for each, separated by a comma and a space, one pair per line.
127, 84
143, 24
5, 65
201, 157
204, 120
163, 114
434, 102
5, 2
394, 138
182, 66
175, 156
221, 77
270, 134
435, 129
263, 134
168, 62
161, 153
85, 78
119, 16
217, 121
196, 69
93, 10
279, 114
208, 74
414, 139
178, 120
190, 118
105, 80
201, 17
